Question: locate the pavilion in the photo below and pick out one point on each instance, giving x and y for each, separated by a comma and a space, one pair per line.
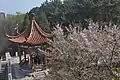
32, 36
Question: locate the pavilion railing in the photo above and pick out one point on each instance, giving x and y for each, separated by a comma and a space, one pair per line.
9, 72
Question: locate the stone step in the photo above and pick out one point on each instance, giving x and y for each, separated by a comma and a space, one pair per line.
39, 75
2, 76
3, 72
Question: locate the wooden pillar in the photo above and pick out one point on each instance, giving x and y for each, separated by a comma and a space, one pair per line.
46, 57
19, 54
30, 61
25, 56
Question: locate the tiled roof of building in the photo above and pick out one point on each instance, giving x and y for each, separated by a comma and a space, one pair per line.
32, 35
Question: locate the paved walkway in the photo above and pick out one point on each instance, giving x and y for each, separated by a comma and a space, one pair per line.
19, 74
16, 71
3, 70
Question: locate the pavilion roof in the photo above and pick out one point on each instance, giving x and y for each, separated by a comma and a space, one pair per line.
32, 35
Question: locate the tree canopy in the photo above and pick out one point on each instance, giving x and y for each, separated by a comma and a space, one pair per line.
98, 10
57, 11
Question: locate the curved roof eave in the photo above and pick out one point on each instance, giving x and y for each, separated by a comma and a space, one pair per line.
35, 36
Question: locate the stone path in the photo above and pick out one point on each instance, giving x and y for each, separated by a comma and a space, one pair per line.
16, 71
19, 74
3, 71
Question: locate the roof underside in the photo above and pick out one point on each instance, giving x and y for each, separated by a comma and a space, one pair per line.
32, 35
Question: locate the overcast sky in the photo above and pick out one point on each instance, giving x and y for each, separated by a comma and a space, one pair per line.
23, 6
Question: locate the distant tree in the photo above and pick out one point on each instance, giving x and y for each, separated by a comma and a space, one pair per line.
100, 10
18, 13
41, 18
16, 23
3, 39
25, 23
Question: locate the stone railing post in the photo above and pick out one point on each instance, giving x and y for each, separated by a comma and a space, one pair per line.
8, 59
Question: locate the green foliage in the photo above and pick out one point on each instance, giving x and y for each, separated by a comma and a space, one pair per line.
40, 17
56, 11
49, 12
25, 23
71, 10
16, 23
117, 69
104, 10
17, 17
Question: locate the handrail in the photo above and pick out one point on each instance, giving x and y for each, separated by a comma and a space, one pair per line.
8, 59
